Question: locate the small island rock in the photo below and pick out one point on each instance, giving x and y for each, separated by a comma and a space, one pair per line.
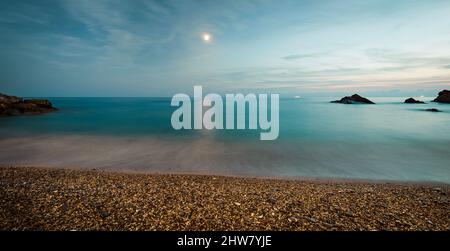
354, 99
413, 101
443, 97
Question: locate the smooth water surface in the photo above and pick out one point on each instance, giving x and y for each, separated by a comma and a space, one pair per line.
318, 139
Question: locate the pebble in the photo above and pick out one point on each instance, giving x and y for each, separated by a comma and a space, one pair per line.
64, 199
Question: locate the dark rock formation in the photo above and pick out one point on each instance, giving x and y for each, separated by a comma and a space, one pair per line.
354, 99
11, 105
413, 101
432, 110
443, 97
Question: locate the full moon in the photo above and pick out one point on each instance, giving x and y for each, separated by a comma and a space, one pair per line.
206, 37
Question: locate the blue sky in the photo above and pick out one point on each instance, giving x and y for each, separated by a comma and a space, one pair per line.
155, 48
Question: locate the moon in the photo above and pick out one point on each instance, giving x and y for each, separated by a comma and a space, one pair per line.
206, 37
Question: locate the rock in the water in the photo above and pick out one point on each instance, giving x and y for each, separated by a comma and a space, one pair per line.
413, 101
432, 110
354, 99
443, 97
11, 105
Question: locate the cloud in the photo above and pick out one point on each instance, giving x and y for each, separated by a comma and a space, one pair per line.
328, 79
298, 56
22, 12
408, 59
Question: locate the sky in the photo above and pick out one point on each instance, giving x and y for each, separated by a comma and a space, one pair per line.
116, 48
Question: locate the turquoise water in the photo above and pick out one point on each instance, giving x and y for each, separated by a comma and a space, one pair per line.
318, 139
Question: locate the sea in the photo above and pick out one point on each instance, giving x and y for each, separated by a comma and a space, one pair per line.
388, 141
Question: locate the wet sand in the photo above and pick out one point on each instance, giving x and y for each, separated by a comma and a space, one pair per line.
69, 199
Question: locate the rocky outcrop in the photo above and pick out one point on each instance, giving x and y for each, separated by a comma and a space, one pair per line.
12, 105
413, 101
432, 110
354, 99
443, 97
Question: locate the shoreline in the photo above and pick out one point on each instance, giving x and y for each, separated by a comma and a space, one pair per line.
36, 198
319, 180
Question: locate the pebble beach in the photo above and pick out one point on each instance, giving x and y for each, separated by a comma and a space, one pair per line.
71, 199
